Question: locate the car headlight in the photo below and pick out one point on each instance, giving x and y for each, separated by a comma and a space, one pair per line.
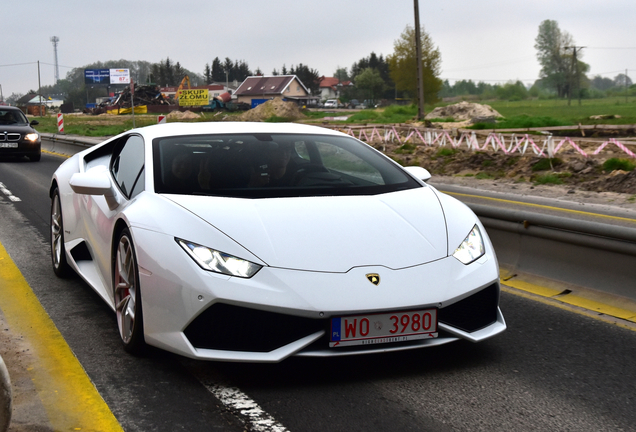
33, 137
219, 262
471, 248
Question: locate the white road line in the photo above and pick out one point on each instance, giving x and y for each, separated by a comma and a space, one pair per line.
237, 402
8, 193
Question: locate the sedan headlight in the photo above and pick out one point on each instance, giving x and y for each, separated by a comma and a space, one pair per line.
219, 262
471, 248
33, 137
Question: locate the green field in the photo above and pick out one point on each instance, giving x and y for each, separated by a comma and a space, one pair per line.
573, 114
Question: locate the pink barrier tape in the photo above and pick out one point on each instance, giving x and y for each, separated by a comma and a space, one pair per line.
618, 144
397, 135
365, 135
526, 140
572, 143
375, 131
494, 140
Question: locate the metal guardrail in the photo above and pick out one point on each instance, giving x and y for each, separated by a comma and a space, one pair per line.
600, 236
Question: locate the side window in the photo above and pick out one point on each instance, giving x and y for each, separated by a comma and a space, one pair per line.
127, 166
337, 159
301, 150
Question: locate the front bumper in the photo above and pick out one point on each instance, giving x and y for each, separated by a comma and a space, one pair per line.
281, 312
235, 331
21, 147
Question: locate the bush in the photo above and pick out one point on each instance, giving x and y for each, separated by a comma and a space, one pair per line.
484, 176
445, 151
548, 179
614, 164
406, 148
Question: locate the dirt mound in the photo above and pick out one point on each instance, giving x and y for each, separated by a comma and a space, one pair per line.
182, 115
617, 181
568, 169
273, 108
464, 111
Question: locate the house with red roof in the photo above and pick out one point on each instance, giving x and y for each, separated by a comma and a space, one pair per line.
332, 88
256, 90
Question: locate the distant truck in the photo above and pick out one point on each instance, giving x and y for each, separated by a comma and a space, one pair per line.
224, 102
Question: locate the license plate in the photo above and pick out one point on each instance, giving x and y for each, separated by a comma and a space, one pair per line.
383, 328
9, 145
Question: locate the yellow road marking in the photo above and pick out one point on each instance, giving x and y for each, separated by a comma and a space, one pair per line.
67, 393
55, 153
542, 206
592, 307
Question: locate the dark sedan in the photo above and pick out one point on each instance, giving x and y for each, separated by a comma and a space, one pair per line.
17, 136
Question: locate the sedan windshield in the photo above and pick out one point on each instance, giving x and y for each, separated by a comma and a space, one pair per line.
273, 165
12, 117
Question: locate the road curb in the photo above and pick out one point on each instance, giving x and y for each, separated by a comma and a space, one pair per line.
5, 397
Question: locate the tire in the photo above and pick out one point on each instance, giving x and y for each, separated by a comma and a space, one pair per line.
58, 252
35, 157
128, 295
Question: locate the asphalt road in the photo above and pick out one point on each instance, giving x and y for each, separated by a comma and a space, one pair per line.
553, 369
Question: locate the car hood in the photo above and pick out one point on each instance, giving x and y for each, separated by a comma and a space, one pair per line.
331, 234
22, 128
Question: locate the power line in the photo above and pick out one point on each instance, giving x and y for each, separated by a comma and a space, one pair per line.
485, 66
19, 64
613, 48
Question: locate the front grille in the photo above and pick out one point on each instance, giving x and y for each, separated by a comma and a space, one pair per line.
13, 136
472, 313
234, 328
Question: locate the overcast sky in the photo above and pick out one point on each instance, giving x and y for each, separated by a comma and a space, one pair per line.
487, 40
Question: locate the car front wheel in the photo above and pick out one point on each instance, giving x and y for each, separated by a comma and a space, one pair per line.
58, 252
128, 295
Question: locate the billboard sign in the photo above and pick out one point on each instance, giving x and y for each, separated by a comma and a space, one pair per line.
97, 76
194, 97
120, 76
107, 76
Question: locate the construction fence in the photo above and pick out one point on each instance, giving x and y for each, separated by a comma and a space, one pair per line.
543, 146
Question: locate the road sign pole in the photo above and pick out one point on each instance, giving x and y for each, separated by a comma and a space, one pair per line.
132, 100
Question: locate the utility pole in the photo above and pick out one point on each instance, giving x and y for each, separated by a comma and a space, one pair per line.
418, 50
39, 90
626, 86
578, 77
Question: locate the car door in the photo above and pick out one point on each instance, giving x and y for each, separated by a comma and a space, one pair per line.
126, 168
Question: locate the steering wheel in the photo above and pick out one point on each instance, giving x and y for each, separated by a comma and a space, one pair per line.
305, 169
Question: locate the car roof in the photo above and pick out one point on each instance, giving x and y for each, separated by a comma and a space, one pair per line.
203, 128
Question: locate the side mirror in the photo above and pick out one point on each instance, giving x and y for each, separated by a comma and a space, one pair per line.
34, 123
418, 172
95, 182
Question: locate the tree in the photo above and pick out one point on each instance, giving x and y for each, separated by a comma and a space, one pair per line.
371, 81
342, 74
380, 64
309, 77
622, 80
207, 74
218, 74
556, 52
600, 83
403, 65
512, 91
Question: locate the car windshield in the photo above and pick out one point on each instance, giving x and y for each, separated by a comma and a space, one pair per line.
273, 165
12, 117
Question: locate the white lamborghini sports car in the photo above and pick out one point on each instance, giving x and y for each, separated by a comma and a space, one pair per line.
257, 241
